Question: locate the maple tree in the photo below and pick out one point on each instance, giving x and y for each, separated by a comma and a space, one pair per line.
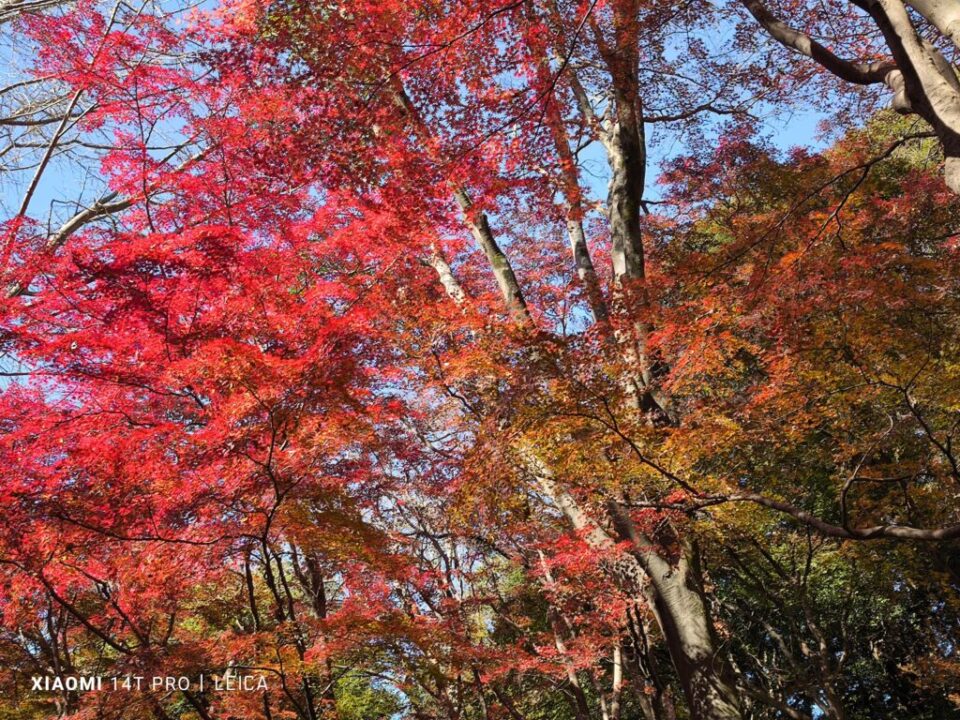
346, 376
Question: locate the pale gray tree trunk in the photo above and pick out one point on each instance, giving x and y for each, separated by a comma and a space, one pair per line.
476, 220
922, 81
672, 591
624, 140
930, 82
942, 14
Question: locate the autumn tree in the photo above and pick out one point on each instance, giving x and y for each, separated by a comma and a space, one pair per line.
907, 47
356, 381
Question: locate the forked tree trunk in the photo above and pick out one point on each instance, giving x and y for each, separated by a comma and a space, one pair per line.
673, 592
685, 622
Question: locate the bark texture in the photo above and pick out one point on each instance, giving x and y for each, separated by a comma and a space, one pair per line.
674, 593
921, 80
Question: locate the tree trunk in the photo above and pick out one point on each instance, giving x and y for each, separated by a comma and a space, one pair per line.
674, 594
931, 85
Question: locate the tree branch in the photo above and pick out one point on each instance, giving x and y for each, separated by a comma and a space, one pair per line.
849, 70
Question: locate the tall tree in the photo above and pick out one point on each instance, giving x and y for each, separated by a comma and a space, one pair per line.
358, 382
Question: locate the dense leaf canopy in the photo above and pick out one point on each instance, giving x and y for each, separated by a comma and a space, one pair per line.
480, 361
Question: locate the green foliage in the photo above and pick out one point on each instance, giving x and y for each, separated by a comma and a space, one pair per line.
359, 697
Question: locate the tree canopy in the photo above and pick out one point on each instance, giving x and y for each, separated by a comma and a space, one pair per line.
490, 361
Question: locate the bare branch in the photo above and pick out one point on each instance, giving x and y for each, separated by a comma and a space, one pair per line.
849, 70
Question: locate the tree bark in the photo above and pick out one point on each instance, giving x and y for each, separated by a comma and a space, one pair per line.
476, 220
923, 82
625, 143
674, 594
942, 14
930, 82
